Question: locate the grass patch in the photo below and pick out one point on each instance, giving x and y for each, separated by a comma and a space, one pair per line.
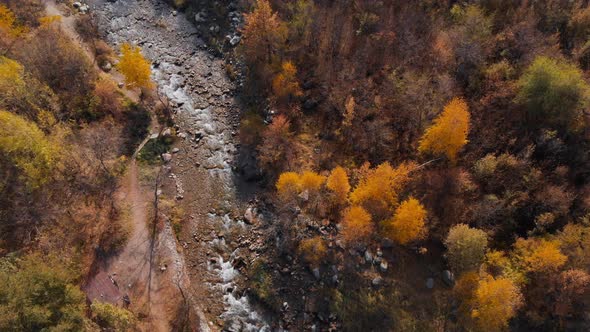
153, 149
262, 285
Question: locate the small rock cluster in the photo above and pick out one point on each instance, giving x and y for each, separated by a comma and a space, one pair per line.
82, 8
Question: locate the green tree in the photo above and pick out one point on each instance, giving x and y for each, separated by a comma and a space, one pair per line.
554, 92
36, 294
466, 247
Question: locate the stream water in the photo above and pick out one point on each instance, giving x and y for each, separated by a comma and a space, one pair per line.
201, 96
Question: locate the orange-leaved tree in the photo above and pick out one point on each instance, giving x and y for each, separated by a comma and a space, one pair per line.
408, 223
135, 67
338, 183
285, 85
277, 148
448, 133
264, 34
357, 226
538, 255
378, 189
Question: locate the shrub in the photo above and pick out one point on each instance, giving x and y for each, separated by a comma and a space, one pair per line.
109, 316
138, 122
466, 247
554, 92
313, 250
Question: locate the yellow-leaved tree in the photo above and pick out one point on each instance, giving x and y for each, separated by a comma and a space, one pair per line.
357, 225
24, 147
448, 133
135, 67
285, 85
311, 181
377, 190
494, 303
10, 29
408, 222
288, 185
12, 83
338, 183
538, 255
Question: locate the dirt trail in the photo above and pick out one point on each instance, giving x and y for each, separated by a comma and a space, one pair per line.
135, 273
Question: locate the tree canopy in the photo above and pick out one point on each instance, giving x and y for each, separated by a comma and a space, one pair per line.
448, 133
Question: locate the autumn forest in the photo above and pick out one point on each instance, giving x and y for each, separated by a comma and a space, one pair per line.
294, 165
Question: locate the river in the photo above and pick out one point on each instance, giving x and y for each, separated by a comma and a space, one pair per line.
200, 173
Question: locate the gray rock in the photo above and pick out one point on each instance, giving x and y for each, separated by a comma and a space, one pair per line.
77, 5
166, 157
106, 67
201, 17
448, 277
121, 85
387, 243
181, 135
175, 150
383, 266
430, 283
316, 273
232, 325
368, 257
379, 252
377, 282
235, 40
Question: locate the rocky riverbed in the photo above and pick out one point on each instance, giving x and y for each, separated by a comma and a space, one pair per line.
199, 173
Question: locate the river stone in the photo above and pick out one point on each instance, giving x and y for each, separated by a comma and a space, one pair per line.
166, 157
167, 132
430, 283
